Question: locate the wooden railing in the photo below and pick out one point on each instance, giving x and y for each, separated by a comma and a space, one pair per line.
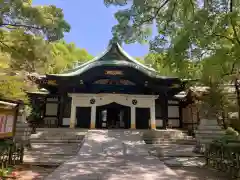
44, 124
224, 156
11, 154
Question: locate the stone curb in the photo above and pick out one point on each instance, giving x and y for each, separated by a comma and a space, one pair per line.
69, 160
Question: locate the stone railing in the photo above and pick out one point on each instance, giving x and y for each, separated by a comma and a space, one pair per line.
10, 154
22, 133
207, 131
224, 156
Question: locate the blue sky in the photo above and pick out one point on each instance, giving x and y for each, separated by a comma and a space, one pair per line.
91, 24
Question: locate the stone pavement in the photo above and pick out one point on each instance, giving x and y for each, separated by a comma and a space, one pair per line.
113, 155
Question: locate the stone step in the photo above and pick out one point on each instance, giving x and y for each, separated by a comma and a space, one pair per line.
54, 141
214, 128
45, 159
49, 130
173, 141
175, 151
186, 138
36, 154
58, 138
53, 149
209, 132
208, 136
184, 161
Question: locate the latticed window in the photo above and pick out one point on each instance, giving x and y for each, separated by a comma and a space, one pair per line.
67, 108
115, 82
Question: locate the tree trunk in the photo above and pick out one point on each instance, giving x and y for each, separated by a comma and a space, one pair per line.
231, 6
237, 89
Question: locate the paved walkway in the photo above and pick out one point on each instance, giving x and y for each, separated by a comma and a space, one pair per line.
113, 155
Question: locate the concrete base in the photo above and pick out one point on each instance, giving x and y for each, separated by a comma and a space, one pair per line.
164, 134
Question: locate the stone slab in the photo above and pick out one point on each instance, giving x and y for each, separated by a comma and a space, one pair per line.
109, 155
54, 148
185, 161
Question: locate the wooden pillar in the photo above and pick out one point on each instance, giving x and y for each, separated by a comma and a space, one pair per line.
93, 117
180, 115
61, 107
153, 116
73, 115
133, 117
165, 111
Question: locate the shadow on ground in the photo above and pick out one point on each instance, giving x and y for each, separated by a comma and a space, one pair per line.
199, 173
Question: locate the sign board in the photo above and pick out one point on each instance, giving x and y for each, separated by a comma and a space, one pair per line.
113, 72
7, 123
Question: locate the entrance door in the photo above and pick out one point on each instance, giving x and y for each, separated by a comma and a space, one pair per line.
142, 118
113, 116
83, 115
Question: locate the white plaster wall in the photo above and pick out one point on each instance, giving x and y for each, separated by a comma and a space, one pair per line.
83, 100
159, 123
51, 109
174, 122
66, 121
173, 111
52, 99
173, 102
50, 120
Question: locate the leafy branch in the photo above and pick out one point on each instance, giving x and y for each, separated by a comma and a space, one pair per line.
155, 14
20, 25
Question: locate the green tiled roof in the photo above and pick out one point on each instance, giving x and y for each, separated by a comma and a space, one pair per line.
113, 56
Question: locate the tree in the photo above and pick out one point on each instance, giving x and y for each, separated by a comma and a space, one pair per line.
26, 30
46, 21
64, 56
200, 34
59, 56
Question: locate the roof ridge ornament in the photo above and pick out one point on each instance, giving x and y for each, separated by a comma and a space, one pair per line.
115, 41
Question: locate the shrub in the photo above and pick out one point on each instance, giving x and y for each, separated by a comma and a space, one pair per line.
231, 132
235, 124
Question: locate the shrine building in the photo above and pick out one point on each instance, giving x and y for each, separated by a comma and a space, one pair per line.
112, 90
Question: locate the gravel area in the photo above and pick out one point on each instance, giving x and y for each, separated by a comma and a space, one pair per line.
27, 172
199, 173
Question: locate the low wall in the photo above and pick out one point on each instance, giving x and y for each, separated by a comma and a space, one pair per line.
166, 134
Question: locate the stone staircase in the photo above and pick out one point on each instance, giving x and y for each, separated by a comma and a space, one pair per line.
174, 148
208, 130
53, 146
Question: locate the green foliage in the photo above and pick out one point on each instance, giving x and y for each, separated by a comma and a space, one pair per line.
29, 43
47, 21
26, 30
187, 30
235, 124
12, 87
195, 39
64, 56
231, 132
4, 172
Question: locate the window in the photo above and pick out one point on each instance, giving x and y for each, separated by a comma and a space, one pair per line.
158, 110
173, 111
67, 108
51, 109
114, 82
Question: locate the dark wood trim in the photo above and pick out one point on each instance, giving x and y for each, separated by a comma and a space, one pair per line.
189, 123
165, 112
51, 116
61, 110
180, 116
173, 104
16, 111
45, 106
58, 110
65, 126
